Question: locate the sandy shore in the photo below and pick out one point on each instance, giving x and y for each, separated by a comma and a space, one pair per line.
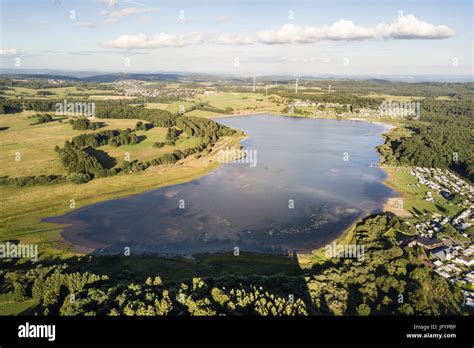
393, 205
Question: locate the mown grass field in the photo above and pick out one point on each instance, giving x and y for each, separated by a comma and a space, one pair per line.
34, 144
242, 102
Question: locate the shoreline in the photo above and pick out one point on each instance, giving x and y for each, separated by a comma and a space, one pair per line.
32, 223
345, 236
389, 206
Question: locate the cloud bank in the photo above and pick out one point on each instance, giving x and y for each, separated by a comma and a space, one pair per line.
155, 41
6, 52
404, 28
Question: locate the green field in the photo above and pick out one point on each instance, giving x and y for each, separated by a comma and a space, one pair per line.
21, 208
17, 308
400, 179
242, 102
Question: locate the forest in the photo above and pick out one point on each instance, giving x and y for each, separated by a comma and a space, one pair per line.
391, 279
84, 124
442, 138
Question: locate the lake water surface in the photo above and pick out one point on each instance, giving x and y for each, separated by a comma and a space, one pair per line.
322, 166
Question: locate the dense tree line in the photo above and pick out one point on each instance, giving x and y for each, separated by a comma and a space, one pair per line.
460, 90
204, 106
33, 83
33, 180
115, 137
17, 105
84, 124
124, 138
167, 158
442, 138
78, 160
94, 139
159, 118
193, 126
423, 89
9, 106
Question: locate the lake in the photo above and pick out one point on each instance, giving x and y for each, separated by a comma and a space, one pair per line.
313, 178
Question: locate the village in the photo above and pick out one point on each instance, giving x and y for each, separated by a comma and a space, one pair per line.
134, 88
448, 246
387, 109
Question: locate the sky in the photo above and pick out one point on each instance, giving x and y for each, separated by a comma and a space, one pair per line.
245, 37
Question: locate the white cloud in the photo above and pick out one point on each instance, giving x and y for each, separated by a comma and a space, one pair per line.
155, 41
128, 11
290, 33
406, 27
110, 3
85, 24
233, 39
410, 27
8, 51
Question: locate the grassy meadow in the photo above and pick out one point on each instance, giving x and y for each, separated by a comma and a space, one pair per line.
22, 208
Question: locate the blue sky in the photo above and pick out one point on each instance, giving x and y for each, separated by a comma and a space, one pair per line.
240, 37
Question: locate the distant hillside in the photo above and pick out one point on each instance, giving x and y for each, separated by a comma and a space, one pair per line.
39, 76
124, 76
99, 78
